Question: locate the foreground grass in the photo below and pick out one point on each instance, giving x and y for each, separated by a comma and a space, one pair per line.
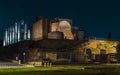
35, 69
63, 70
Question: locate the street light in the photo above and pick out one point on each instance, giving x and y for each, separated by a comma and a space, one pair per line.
24, 57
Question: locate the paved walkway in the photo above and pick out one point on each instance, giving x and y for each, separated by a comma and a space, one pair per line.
12, 65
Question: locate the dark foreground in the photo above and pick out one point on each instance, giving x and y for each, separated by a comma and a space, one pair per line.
64, 70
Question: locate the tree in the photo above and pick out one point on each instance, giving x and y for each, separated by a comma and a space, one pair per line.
109, 37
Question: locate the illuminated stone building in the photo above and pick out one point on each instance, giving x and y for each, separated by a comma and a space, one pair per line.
102, 51
40, 29
48, 40
54, 25
65, 26
43, 29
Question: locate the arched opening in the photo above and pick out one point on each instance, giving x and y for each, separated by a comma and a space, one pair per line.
89, 55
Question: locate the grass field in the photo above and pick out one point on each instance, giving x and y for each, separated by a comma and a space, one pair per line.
63, 70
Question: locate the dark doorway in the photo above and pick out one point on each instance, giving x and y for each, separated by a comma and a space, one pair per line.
103, 56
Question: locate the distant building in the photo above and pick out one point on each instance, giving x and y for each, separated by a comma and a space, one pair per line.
43, 29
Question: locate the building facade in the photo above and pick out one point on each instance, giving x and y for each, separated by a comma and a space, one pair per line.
42, 27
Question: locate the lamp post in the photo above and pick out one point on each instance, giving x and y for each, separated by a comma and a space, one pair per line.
24, 57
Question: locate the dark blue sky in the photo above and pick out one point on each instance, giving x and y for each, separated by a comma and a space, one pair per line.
96, 17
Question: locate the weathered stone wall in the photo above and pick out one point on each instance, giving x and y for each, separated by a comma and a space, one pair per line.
35, 50
97, 45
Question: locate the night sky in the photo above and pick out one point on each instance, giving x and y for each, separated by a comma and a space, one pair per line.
96, 17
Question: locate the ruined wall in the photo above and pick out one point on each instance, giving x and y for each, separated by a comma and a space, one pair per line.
54, 26
55, 35
40, 29
35, 50
97, 45
37, 30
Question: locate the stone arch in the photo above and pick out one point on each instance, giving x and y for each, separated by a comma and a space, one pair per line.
89, 53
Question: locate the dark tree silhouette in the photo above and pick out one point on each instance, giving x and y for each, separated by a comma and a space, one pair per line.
109, 37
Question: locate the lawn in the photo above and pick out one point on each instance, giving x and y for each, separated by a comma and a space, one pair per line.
63, 70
